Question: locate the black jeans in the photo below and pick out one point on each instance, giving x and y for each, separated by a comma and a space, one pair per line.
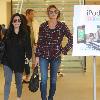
27, 69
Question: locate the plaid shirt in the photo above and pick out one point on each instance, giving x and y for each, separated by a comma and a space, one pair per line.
50, 40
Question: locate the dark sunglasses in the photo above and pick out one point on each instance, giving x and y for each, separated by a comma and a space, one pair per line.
55, 11
16, 20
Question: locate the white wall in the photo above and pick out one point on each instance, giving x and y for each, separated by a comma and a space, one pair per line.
3, 11
3, 18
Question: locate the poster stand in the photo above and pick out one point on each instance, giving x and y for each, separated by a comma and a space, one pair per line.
94, 77
86, 38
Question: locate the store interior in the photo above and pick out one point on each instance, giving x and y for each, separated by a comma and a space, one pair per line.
77, 80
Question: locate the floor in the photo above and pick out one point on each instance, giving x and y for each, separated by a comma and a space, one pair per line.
72, 86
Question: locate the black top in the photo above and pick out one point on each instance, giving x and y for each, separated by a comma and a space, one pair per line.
15, 49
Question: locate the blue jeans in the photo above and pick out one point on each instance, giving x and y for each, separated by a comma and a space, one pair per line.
8, 78
54, 65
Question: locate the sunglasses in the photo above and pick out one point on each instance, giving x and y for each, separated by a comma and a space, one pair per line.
16, 20
55, 11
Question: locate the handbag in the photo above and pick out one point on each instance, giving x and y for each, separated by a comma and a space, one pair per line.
34, 80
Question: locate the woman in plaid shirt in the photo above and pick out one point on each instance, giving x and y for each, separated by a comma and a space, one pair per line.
49, 49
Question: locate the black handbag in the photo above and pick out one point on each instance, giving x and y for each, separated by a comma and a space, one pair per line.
34, 80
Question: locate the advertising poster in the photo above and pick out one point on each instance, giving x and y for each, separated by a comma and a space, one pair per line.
86, 30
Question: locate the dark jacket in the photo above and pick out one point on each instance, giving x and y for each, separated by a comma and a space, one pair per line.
15, 49
50, 40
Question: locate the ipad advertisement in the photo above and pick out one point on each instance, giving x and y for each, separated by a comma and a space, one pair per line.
86, 30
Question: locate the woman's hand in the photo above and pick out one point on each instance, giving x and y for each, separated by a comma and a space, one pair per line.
27, 61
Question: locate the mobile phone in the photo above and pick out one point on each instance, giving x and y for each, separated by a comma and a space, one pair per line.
81, 34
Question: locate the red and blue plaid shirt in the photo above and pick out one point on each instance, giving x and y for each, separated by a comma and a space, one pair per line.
50, 40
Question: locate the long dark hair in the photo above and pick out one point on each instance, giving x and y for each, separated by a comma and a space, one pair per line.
22, 28
25, 23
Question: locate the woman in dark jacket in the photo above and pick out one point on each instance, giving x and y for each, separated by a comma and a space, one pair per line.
17, 45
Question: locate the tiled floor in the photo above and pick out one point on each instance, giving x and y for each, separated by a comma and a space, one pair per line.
73, 86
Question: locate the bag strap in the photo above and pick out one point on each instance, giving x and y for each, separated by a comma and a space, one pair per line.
35, 71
